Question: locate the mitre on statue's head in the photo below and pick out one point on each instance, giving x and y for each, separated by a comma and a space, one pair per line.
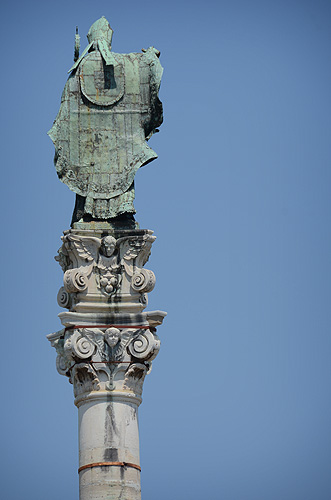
100, 30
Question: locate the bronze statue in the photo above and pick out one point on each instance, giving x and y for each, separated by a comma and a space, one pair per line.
109, 109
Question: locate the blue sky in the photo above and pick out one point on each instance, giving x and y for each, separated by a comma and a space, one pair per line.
238, 404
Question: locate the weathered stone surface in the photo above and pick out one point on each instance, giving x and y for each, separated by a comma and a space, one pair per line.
109, 109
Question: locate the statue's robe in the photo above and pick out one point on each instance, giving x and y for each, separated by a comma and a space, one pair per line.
107, 113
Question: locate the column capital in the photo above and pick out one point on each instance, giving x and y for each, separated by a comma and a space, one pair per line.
108, 341
108, 359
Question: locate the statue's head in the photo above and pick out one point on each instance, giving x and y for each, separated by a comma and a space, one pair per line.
108, 245
100, 30
112, 336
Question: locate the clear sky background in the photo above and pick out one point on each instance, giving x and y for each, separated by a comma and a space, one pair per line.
238, 405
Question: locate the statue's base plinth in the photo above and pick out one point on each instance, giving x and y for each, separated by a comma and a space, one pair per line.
117, 224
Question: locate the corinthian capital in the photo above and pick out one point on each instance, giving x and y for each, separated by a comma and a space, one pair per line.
108, 359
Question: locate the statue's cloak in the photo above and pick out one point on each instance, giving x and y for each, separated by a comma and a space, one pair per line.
107, 113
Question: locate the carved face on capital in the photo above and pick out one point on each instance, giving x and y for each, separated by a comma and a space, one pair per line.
112, 336
108, 245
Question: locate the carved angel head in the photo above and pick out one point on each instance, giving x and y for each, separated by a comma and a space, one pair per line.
112, 336
108, 245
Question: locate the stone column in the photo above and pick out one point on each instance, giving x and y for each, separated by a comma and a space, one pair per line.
106, 349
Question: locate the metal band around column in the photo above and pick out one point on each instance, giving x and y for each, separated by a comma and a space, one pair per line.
103, 464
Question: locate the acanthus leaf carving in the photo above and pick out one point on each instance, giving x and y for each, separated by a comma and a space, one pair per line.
84, 379
134, 378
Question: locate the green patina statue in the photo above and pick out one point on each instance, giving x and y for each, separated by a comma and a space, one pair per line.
109, 109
